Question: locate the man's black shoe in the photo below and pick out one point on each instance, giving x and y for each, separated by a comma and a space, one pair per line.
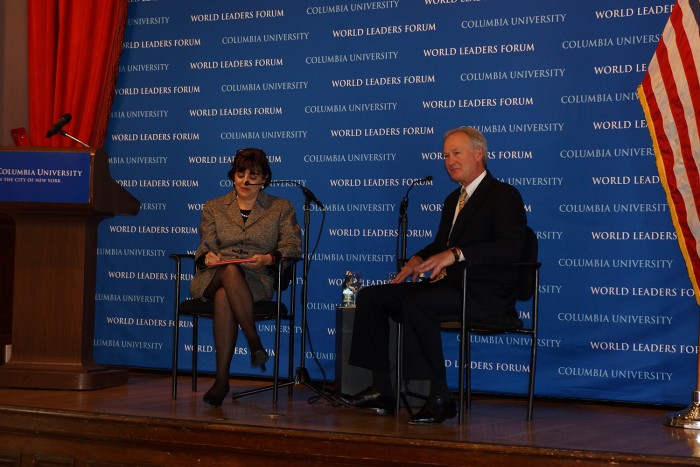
436, 410
369, 399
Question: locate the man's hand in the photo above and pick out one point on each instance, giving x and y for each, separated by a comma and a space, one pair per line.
436, 263
408, 270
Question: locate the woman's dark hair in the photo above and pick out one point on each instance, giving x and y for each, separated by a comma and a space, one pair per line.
253, 159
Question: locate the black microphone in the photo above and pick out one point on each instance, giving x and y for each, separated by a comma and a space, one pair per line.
404, 201
308, 193
247, 183
429, 178
65, 118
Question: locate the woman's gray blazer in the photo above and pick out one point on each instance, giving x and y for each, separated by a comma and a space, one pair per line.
271, 228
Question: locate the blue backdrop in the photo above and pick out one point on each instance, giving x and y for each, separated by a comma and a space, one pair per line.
351, 99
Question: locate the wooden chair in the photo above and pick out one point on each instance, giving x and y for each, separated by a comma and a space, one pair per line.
263, 310
527, 290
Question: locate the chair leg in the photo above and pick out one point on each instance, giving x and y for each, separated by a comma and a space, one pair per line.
468, 372
399, 370
531, 385
276, 366
464, 359
290, 358
464, 354
176, 347
195, 348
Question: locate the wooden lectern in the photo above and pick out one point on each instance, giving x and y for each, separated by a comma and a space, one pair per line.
56, 199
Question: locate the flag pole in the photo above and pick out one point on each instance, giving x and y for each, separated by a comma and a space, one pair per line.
690, 416
671, 120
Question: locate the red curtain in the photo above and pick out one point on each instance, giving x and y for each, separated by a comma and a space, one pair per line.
74, 49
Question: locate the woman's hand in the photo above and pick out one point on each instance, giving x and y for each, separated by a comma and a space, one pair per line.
259, 261
211, 258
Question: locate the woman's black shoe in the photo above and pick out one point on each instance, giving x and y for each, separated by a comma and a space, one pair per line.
215, 399
258, 359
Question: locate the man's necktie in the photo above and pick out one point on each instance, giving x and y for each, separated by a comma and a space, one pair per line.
460, 204
462, 199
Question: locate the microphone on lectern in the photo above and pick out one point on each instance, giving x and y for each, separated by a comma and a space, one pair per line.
65, 118
247, 183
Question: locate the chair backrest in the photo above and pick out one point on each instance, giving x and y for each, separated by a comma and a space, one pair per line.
528, 258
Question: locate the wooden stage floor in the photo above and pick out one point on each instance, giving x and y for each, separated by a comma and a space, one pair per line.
139, 424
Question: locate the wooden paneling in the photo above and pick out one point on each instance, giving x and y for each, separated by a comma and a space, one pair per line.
7, 259
139, 424
54, 276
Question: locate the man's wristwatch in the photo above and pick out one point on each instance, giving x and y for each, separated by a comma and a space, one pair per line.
455, 252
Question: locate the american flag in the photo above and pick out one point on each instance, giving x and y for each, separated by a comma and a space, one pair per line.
670, 96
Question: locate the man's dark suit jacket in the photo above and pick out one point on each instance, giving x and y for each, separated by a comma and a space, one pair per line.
490, 229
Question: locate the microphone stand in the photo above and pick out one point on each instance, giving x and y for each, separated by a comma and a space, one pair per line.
302, 374
401, 391
61, 132
403, 231
403, 224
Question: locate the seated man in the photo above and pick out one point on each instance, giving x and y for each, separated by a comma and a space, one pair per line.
483, 222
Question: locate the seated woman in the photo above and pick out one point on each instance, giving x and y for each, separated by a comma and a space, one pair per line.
246, 224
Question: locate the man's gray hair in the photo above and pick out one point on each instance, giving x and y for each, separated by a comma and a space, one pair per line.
476, 138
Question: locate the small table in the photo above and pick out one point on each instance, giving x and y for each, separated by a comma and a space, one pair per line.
349, 379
